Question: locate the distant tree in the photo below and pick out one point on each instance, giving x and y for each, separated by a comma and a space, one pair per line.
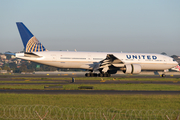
30, 66
13, 66
174, 56
23, 68
16, 70
163, 53
44, 68
52, 68
6, 68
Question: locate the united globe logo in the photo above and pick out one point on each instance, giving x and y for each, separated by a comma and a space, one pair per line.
34, 45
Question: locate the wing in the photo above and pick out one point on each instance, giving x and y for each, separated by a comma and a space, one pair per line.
110, 63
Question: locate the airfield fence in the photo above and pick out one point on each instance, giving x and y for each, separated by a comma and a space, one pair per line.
43, 112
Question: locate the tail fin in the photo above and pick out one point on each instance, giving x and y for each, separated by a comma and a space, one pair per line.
31, 44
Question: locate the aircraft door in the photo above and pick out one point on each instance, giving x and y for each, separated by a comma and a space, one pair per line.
89, 58
54, 58
165, 60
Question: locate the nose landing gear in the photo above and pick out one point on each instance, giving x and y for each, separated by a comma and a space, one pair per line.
163, 75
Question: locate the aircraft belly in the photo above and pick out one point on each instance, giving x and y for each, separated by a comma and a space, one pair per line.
59, 64
82, 65
155, 66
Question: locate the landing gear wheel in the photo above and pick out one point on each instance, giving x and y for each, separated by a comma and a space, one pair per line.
163, 75
94, 74
101, 75
108, 75
91, 74
88, 74
104, 75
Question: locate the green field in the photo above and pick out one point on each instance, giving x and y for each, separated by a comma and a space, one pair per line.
126, 107
159, 87
94, 101
83, 101
118, 101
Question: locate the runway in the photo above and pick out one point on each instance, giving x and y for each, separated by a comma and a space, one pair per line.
110, 92
64, 82
82, 74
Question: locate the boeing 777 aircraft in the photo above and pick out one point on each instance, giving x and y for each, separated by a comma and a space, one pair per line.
106, 63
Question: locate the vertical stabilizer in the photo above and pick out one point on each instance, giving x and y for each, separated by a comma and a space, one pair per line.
31, 44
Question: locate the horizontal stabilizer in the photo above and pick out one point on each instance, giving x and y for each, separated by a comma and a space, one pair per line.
10, 53
31, 55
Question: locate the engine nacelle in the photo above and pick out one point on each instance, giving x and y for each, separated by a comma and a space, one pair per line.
132, 69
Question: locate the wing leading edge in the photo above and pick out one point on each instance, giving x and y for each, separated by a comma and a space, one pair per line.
110, 62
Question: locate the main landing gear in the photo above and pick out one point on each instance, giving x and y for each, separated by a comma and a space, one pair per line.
91, 74
97, 75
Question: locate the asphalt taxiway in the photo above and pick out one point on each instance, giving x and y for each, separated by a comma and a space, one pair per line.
79, 74
64, 82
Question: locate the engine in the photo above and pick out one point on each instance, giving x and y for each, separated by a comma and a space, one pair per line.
132, 69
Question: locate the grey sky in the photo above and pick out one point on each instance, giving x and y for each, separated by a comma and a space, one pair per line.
96, 25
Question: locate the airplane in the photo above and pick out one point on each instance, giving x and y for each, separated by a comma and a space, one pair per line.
106, 63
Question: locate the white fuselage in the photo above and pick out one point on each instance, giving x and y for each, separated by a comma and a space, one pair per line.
88, 60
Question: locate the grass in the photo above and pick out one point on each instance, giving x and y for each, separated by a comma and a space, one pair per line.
138, 102
31, 81
125, 87
158, 87
94, 101
22, 86
69, 103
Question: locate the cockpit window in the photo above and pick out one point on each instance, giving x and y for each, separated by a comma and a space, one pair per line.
173, 59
